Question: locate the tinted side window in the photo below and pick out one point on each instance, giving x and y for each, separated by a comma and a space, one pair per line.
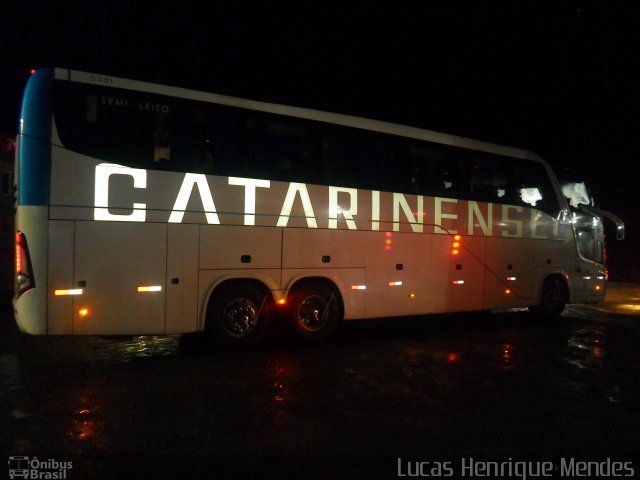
280, 148
432, 170
531, 181
208, 139
155, 132
118, 126
361, 159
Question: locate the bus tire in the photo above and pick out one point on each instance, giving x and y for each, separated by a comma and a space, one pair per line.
238, 316
553, 298
314, 311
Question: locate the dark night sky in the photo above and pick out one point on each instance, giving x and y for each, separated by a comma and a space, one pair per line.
561, 79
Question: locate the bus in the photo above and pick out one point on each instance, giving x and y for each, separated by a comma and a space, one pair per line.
149, 209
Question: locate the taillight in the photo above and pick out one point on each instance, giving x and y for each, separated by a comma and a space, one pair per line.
24, 271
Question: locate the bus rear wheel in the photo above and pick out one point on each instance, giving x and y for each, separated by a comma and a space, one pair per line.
552, 300
314, 311
238, 316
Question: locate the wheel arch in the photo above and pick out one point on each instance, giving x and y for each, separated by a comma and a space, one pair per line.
553, 296
564, 282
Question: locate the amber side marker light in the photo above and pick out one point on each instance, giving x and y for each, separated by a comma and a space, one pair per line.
455, 245
83, 312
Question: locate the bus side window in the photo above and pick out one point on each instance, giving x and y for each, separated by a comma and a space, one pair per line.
162, 141
338, 161
222, 142
432, 171
487, 179
535, 187
362, 159
205, 139
95, 124
280, 148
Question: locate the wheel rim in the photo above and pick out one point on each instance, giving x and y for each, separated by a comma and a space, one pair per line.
240, 317
312, 314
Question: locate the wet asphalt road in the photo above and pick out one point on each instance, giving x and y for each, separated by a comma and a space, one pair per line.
457, 384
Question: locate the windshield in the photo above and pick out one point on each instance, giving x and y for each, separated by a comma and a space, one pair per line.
574, 187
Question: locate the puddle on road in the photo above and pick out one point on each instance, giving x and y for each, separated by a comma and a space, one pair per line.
596, 374
144, 347
586, 347
93, 351
84, 427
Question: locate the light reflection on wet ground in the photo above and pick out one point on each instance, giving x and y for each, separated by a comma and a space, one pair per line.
479, 384
585, 347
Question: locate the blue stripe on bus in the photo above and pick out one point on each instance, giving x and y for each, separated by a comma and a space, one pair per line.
34, 170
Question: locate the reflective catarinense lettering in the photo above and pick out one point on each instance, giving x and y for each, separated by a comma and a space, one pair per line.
238, 200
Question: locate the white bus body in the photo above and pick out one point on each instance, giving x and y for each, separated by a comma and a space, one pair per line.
113, 244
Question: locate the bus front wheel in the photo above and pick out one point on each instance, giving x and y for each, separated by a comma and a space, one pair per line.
238, 316
553, 298
314, 311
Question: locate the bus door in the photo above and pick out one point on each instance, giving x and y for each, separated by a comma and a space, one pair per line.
588, 229
590, 244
